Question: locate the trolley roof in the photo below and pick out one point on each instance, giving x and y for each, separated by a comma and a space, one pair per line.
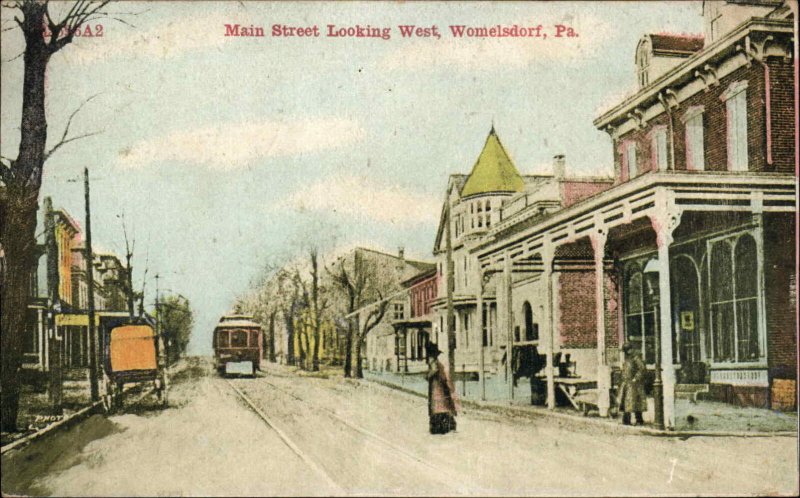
232, 321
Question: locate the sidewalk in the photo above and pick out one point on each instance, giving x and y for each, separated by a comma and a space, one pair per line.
701, 418
34, 407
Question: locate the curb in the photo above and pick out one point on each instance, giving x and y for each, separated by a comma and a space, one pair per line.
632, 429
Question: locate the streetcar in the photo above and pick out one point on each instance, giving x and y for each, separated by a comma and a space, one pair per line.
132, 354
237, 345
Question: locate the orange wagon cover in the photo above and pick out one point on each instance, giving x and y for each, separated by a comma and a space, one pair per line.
133, 348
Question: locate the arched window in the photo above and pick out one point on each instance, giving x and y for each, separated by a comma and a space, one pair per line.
734, 300
640, 314
531, 328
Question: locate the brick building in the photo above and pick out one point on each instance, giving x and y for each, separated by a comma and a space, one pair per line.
690, 254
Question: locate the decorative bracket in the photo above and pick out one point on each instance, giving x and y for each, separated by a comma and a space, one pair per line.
709, 76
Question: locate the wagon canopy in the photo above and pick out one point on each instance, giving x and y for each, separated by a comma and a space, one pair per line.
133, 347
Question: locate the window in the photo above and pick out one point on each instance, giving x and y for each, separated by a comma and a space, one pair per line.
239, 339
630, 165
399, 311
659, 148
734, 277
531, 328
222, 339
695, 147
640, 314
254, 338
466, 329
735, 98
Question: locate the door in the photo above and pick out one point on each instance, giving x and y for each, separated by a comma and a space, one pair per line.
686, 316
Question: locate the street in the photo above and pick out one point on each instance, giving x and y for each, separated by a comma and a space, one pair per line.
285, 434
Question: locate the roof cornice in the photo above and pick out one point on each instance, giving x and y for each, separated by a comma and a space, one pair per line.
756, 24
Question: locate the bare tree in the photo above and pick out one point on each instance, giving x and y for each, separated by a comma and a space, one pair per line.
22, 176
365, 282
318, 305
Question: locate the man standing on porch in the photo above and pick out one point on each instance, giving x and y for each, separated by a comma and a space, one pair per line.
632, 398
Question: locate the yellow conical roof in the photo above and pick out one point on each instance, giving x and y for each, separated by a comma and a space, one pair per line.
493, 171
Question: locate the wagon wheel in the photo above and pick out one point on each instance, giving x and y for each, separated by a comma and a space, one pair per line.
162, 390
107, 395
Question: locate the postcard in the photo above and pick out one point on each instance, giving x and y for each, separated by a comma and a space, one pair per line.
320, 248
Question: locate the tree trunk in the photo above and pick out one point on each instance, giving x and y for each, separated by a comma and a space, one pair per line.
19, 217
359, 374
348, 350
315, 357
290, 338
271, 345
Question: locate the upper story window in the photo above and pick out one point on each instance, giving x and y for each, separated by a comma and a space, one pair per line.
695, 136
659, 148
399, 311
629, 165
735, 98
643, 63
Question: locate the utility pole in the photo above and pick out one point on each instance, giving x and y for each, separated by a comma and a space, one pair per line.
55, 393
451, 283
94, 353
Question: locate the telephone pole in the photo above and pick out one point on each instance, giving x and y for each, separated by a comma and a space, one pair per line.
94, 344
451, 283
55, 393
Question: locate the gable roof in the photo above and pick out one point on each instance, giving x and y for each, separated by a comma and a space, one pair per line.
493, 171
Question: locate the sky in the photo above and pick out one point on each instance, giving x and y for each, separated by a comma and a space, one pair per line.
223, 153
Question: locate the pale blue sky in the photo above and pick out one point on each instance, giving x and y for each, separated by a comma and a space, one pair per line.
221, 151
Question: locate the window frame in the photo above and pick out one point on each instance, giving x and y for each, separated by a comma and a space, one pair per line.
694, 122
732, 239
736, 119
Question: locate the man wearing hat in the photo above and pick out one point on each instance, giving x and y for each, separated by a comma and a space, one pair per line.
442, 399
632, 398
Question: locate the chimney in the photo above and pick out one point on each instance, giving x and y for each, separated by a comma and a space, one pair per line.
559, 166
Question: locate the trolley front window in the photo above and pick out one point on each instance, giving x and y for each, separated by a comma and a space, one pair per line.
239, 339
222, 339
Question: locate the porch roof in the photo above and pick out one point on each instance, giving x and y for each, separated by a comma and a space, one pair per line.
526, 234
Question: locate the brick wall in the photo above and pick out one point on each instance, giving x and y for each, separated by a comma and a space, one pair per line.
715, 123
783, 119
573, 191
576, 302
779, 265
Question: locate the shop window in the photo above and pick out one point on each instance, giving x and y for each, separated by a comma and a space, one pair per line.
640, 315
531, 328
735, 330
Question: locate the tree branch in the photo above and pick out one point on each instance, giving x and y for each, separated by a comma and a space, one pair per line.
64, 140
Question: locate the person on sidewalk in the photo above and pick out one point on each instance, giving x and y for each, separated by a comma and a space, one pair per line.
442, 398
632, 398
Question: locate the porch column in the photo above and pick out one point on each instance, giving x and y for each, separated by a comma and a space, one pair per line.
548, 254
508, 314
598, 238
665, 220
480, 323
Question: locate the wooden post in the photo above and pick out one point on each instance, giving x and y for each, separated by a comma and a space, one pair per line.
54, 345
94, 346
598, 239
548, 254
509, 318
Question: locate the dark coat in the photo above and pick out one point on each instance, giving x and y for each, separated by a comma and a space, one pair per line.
632, 397
442, 396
